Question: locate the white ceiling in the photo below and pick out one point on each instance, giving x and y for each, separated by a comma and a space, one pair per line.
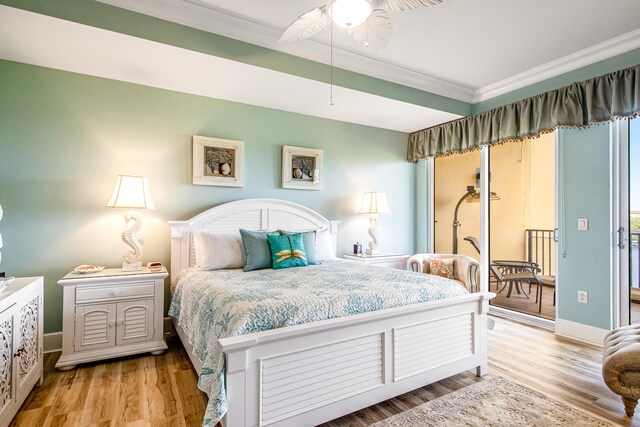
474, 43
470, 50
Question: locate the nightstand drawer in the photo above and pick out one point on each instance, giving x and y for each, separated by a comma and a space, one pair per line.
110, 293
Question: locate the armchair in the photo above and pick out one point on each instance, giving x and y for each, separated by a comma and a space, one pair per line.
465, 269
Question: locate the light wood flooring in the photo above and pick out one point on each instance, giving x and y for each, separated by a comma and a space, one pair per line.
161, 390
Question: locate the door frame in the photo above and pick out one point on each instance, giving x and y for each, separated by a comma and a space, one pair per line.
620, 267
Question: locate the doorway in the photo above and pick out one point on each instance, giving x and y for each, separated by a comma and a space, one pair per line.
522, 223
521, 220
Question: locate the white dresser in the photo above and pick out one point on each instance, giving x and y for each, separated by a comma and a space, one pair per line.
391, 261
111, 314
21, 364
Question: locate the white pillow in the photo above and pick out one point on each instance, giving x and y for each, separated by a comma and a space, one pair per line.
215, 251
325, 249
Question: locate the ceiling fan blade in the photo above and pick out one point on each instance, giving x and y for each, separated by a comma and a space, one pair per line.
375, 32
402, 5
306, 25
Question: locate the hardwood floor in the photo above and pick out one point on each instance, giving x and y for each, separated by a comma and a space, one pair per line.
161, 390
134, 391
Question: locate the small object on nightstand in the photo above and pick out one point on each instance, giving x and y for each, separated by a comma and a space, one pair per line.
87, 269
154, 266
357, 249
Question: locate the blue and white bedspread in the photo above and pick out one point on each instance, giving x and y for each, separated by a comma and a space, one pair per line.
216, 304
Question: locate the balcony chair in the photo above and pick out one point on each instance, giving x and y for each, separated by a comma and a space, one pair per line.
510, 273
465, 269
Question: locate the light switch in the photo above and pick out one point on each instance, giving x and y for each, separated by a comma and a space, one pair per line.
583, 224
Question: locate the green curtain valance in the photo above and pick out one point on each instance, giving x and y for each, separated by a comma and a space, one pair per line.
601, 99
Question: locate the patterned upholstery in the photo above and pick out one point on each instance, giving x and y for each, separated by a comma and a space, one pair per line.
621, 365
465, 269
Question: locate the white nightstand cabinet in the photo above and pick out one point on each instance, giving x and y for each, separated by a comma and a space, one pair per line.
111, 314
21, 364
390, 261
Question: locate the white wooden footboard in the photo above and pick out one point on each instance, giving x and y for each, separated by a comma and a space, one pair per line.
308, 374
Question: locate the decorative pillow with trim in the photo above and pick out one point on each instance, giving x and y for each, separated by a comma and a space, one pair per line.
287, 251
309, 242
442, 267
257, 254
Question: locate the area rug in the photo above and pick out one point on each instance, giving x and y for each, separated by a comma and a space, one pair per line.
494, 402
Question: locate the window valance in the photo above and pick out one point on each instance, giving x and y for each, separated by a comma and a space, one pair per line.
601, 99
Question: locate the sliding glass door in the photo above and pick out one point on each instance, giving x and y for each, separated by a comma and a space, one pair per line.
522, 222
457, 204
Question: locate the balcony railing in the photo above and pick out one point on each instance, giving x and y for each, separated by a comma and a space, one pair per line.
541, 249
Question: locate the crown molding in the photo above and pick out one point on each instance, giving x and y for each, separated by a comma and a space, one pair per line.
601, 51
203, 16
196, 14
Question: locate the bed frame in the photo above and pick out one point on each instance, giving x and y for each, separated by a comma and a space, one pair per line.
307, 374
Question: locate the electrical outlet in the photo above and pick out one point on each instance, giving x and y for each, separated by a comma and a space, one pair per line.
583, 297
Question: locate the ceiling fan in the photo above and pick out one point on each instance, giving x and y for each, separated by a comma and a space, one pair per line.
367, 21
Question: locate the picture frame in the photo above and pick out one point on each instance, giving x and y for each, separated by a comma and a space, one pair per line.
301, 168
218, 161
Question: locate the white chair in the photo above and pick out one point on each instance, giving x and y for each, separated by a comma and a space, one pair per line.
465, 269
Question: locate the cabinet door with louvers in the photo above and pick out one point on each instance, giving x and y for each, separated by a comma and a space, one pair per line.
134, 322
95, 327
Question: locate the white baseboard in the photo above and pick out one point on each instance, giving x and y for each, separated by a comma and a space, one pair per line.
53, 341
580, 332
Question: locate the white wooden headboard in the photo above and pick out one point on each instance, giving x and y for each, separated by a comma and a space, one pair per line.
250, 214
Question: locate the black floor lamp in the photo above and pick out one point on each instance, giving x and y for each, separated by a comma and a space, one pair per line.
471, 192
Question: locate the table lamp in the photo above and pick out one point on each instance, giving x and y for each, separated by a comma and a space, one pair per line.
374, 203
131, 192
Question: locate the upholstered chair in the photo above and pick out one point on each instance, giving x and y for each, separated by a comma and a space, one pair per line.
465, 269
621, 364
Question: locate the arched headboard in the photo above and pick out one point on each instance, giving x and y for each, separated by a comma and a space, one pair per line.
250, 214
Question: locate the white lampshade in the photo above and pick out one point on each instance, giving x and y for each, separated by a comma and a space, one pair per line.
132, 192
349, 13
374, 203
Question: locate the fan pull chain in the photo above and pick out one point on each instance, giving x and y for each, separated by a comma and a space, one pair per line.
331, 75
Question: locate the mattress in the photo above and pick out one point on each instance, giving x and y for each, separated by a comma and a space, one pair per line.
210, 305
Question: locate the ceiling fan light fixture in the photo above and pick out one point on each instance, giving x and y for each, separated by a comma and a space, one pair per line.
349, 13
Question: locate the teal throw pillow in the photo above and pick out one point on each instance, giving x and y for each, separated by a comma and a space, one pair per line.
287, 251
309, 242
257, 254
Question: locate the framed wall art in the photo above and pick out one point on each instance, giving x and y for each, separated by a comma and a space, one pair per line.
301, 168
218, 161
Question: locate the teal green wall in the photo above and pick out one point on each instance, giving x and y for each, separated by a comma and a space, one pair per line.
421, 202
64, 137
100, 15
585, 264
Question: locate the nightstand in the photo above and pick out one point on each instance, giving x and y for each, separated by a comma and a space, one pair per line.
390, 261
111, 314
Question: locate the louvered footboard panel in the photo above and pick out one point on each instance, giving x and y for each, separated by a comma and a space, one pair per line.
424, 346
292, 383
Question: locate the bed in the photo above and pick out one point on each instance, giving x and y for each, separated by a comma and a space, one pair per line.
309, 373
